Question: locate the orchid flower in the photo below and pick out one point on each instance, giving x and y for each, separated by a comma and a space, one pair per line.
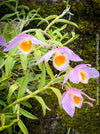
25, 43
62, 56
81, 73
72, 98
2, 41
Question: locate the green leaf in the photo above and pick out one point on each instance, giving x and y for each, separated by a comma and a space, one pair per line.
22, 127
57, 93
43, 77
37, 55
5, 77
40, 36
9, 63
9, 115
23, 61
2, 62
8, 15
41, 101
5, 30
57, 43
67, 21
11, 91
23, 7
27, 104
71, 39
27, 114
47, 19
49, 70
23, 87
3, 103
2, 119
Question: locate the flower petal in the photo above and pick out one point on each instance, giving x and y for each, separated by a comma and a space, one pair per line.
87, 96
76, 92
46, 57
2, 41
70, 54
36, 41
17, 40
92, 72
68, 104
75, 76
66, 77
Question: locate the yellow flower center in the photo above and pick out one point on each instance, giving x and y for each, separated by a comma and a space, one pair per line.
57, 52
83, 75
77, 100
26, 46
60, 60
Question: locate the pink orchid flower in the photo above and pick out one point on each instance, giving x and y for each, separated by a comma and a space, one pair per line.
2, 41
62, 56
72, 98
25, 43
81, 73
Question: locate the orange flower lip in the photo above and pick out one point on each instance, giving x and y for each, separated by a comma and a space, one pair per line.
83, 75
26, 46
60, 60
77, 100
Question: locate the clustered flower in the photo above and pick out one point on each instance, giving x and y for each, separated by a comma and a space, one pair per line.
62, 56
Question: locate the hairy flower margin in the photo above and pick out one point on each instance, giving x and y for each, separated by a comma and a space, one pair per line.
62, 56
24, 41
73, 98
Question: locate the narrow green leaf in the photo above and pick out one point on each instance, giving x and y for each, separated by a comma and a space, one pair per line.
23, 61
2, 62
26, 104
49, 70
41, 101
43, 77
57, 43
27, 114
66, 21
22, 127
40, 36
3, 103
5, 30
2, 119
23, 87
5, 77
8, 15
37, 55
71, 39
9, 115
47, 19
23, 7
11, 91
9, 63
57, 93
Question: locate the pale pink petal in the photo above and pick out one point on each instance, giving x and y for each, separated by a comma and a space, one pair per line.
2, 41
92, 72
36, 41
87, 96
46, 57
82, 65
76, 92
68, 104
17, 40
23, 37
75, 76
66, 77
70, 54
